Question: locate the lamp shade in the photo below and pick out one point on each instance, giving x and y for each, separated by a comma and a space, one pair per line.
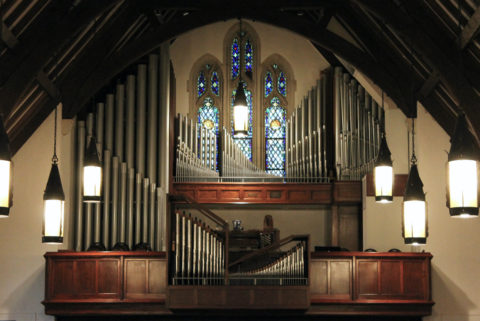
53, 199
240, 112
5, 172
462, 172
383, 174
414, 210
92, 174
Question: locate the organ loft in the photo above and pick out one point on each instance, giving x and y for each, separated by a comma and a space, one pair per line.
243, 160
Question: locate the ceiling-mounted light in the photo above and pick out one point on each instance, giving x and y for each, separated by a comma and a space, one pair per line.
462, 172
54, 199
92, 174
414, 220
240, 107
5, 172
240, 112
383, 171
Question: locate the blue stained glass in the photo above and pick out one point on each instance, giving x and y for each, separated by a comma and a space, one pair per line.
248, 57
245, 143
208, 117
268, 84
282, 84
275, 138
201, 86
235, 58
215, 83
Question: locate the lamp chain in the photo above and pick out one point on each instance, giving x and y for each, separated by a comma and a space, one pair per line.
414, 158
55, 158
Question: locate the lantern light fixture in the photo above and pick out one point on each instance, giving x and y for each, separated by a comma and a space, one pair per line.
383, 171
462, 172
54, 199
414, 221
240, 106
92, 174
6, 170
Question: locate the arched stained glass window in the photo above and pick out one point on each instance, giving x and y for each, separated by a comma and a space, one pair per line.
208, 118
282, 84
245, 143
235, 56
248, 57
201, 84
275, 138
268, 84
215, 83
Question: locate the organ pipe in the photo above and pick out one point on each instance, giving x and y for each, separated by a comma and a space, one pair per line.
79, 198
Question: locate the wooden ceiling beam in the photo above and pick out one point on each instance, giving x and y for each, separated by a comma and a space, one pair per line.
7, 37
470, 29
48, 86
429, 85
455, 81
64, 28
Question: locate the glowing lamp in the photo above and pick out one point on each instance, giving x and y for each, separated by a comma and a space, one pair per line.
53, 199
383, 174
414, 210
240, 112
5, 172
462, 173
92, 174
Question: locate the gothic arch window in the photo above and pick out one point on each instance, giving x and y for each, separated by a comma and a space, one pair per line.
206, 83
277, 98
241, 57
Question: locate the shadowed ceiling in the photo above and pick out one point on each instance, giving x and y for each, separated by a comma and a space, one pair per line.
55, 51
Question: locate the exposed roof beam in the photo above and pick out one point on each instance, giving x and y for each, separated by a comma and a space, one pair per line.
448, 71
7, 37
429, 85
470, 29
46, 46
48, 86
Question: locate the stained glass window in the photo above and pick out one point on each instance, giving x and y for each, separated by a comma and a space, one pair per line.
201, 85
275, 138
282, 84
215, 83
248, 57
235, 58
268, 84
245, 143
208, 117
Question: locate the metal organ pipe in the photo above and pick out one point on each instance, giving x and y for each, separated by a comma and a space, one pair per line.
114, 222
88, 207
141, 107
130, 122
107, 158
152, 117
130, 204
79, 199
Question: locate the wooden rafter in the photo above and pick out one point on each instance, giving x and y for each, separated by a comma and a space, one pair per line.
470, 29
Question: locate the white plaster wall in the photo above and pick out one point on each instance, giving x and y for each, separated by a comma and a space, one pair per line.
22, 266
454, 243
304, 59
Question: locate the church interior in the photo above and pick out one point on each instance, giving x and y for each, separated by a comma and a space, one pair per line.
194, 160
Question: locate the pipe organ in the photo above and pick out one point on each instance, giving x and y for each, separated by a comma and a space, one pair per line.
358, 123
127, 126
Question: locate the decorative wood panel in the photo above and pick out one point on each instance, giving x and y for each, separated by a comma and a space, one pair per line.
271, 193
331, 279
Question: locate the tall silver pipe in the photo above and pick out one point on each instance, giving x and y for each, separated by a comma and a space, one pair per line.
152, 117
138, 207
114, 223
141, 107
146, 185
97, 207
152, 223
160, 226
177, 244
109, 123
130, 122
122, 204
99, 126
106, 196
88, 208
119, 111
79, 198
164, 121
130, 203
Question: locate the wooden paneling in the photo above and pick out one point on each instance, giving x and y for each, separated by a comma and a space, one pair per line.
271, 193
145, 278
331, 279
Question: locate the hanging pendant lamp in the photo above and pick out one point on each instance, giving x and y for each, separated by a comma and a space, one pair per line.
240, 107
92, 174
462, 172
53, 199
383, 171
6, 171
414, 220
